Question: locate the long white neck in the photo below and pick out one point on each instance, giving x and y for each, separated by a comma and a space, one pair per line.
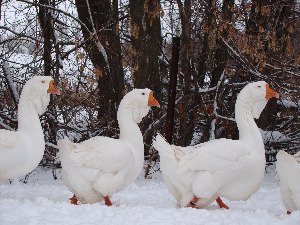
248, 130
28, 118
129, 130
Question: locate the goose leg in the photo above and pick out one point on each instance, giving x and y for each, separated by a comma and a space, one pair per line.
107, 201
193, 202
221, 203
74, 200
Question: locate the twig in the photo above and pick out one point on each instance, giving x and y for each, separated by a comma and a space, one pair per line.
56, 9
20, 34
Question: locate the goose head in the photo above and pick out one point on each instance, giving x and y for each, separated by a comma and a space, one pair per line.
259, 92
139, 102
37, 90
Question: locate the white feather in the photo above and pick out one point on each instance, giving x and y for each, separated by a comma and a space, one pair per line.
22, 150
288, 169
101, 166
222, 167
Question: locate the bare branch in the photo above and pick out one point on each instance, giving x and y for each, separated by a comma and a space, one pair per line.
56, 9
20, 34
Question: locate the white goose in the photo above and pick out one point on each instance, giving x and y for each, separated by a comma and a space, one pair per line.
96, 168
22, 150
288, 169
198, 175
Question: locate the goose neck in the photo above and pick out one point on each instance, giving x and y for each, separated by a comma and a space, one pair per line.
129, 130
248, 129
28, 118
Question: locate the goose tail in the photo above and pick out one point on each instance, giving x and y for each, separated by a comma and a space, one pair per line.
161, 145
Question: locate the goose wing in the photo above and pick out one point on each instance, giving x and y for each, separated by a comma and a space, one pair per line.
220, 154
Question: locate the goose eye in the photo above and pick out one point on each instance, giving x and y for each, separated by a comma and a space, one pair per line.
259, 86
43, 81
143, 93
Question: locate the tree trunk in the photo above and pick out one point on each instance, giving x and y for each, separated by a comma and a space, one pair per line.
46, 27
184, 120
172, 89
0, 8
221, 53
153, 45
47, 24
104, 50
138, 41
115, 55
185, 17
146, 42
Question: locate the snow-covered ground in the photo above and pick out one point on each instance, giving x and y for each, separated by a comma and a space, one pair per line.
44, 201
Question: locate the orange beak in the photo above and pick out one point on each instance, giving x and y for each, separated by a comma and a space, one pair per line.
152, 101
53, 89
270, 93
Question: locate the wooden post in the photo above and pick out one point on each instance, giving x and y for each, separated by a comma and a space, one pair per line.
172, 89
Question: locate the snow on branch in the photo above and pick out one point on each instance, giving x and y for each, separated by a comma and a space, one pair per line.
204, 90
51, 145
10, 83
58, 62
213, 122
82, 43
2, 124
280, 69
100, 47
246, 64
56, 9
20, 34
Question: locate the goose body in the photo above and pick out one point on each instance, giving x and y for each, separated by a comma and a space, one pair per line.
96, 168
22, 150
198, 175
288, 170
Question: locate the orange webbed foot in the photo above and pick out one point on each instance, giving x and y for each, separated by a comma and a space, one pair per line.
221, 204
107, 201
193, 202
74, 200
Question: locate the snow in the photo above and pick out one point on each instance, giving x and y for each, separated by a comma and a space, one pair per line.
44, 201
10, 81
4, 125
273, 136
288, 103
